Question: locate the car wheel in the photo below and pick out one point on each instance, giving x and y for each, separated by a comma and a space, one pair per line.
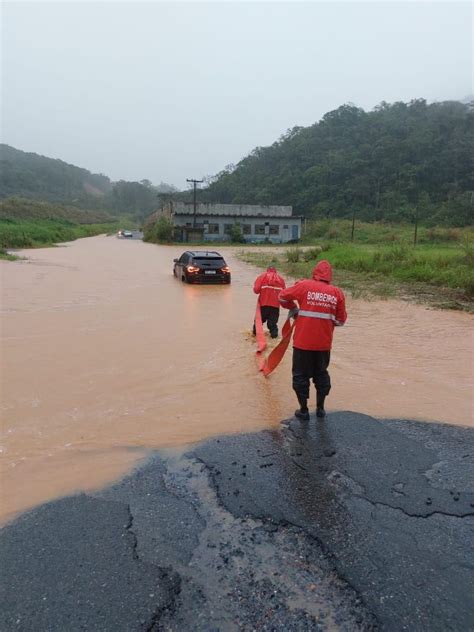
183, 279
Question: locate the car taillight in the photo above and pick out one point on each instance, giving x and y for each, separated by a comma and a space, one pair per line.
192, 269
226, 269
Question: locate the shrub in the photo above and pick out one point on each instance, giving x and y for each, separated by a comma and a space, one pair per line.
236, 236
312, 254
317, 228
6, 255
293, 255
160, 231
467, 247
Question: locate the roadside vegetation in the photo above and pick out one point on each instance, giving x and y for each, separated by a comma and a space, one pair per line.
160, 231
19, 233
26, 223
4, 254
24, 208
383, 261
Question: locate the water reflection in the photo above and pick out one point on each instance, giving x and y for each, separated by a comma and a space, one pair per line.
303, 467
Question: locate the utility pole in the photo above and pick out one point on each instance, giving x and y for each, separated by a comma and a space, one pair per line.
353, 223
415, 237
195, 182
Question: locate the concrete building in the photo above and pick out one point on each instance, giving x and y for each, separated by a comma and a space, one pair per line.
214, 222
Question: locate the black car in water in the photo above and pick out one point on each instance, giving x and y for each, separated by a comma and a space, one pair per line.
201, 266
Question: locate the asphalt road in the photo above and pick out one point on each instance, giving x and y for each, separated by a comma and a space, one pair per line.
348, 524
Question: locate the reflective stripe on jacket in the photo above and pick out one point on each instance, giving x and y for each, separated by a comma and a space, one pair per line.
269, 285
322, 306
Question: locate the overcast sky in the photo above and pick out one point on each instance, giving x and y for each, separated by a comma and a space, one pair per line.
169, 91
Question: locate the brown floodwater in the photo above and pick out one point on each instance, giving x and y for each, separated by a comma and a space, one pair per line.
105, 356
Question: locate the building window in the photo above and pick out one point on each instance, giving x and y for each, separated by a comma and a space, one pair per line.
274, 229
285, 226
213, 229
227, 229
260, 229
246, 229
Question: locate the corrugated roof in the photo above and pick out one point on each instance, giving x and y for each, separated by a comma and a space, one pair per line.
232, 216
232, 210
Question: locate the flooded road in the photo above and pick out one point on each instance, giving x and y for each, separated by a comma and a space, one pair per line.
105, 356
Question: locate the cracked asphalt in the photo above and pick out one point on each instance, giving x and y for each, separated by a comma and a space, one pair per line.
349, 524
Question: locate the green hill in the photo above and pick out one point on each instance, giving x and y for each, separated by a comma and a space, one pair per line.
23, 208
387, 164
27, 175
30, 175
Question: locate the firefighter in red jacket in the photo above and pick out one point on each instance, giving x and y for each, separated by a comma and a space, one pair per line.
269, 285
320, 307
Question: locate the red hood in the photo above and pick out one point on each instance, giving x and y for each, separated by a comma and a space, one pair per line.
323, 271
271, 275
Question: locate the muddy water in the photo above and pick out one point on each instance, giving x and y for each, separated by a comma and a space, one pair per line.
105, 356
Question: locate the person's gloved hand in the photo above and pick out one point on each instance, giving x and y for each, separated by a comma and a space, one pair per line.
293, 313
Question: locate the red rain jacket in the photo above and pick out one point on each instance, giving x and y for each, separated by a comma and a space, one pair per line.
269, 285
322, 306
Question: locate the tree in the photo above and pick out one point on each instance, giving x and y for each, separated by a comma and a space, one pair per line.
236, 236
134, 198
382, 162
160, 231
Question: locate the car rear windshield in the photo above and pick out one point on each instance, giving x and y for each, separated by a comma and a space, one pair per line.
215, 262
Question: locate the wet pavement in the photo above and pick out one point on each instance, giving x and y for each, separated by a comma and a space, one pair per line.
353, 523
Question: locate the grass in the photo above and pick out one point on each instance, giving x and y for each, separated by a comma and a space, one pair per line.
33, 233
439, 270
381, 233
25, 208
7, 256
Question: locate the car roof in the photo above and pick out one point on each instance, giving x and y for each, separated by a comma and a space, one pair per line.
204, 253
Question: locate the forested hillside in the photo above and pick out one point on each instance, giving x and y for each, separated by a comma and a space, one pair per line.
395, 162
33, 176
387, 164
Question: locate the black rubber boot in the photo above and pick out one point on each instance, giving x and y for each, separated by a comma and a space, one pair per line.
303, 415
320, 412
302, 412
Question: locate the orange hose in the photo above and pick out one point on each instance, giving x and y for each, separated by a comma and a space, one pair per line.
276, 355
267, 365
260, 336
